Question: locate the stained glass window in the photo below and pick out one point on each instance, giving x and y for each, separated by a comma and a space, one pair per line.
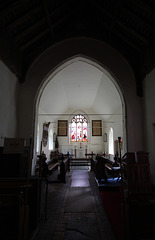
79, 129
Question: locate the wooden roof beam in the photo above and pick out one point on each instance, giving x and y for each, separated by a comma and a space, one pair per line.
137, 19
132, 32
144, 7
33, 40
30, 13
47, 15
126, 40
23, 17
102, 10
114, 17
125, 11
11, 7
30, 29
24, 46
115, 20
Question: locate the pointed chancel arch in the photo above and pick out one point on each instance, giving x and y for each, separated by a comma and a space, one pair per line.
82, 85
94, 53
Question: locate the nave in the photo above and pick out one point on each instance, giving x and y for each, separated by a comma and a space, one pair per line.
74, 210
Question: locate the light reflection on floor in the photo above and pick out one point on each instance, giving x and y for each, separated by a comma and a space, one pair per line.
80, 178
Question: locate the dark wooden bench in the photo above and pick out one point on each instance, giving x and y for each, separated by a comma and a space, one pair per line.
52, 165
19, 206
106, 167
100, 167
46, 168
13, 165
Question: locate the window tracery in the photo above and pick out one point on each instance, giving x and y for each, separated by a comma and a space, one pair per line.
79, 129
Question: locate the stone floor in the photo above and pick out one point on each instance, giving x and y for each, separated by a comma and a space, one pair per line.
74, 210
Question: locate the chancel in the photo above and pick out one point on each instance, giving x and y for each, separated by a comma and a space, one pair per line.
77, 125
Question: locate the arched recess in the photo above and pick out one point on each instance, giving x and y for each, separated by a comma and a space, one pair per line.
108, 75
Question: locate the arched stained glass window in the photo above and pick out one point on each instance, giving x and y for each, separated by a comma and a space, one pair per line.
79, 129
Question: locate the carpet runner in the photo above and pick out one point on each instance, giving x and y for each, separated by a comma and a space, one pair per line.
79, 200
79, 196
79, 204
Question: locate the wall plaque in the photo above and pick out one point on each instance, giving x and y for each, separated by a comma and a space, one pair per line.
62, 127
96, 128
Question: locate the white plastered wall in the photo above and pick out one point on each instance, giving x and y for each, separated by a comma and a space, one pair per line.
8, 103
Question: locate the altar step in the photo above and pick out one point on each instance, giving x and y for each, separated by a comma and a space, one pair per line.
80, 163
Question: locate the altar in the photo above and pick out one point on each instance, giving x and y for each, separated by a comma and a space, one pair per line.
80, 152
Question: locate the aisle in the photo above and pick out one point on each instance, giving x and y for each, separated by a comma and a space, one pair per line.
75, 211
81, 204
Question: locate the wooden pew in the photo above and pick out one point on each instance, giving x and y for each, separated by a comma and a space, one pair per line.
52, 166
18, 215
45, 168
100, 167
137, 174
139, 197
106, 168
14, 165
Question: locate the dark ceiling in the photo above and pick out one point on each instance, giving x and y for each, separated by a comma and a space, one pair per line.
28, 27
